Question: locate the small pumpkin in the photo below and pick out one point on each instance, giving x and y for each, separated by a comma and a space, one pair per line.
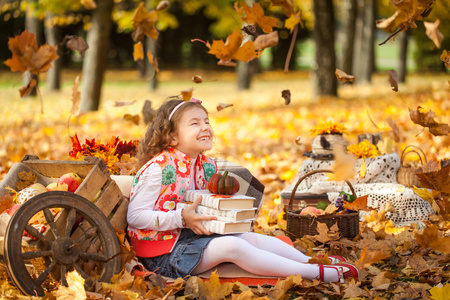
223, 184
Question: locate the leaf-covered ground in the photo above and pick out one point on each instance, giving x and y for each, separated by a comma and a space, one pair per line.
259, 132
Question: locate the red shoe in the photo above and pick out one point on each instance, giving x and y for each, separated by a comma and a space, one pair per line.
344, 271
334, 259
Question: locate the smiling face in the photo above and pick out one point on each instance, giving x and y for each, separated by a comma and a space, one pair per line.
194, 134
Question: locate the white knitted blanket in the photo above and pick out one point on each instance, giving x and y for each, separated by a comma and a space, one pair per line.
380, 184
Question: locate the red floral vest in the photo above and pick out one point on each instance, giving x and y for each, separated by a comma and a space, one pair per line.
176, 179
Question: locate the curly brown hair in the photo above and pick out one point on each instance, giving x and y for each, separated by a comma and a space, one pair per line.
157, 137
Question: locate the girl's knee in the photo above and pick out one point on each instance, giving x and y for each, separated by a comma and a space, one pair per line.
232, 247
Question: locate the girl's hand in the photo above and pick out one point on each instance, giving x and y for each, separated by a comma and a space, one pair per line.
194, 220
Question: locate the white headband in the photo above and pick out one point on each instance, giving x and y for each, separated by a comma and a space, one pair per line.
180, 104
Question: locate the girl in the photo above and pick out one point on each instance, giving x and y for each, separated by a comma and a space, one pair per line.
173, 241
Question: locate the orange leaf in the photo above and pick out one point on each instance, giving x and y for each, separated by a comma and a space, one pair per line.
222, 106
187, 94
255, 15
25, 90
367, 259
153, 61
427, 120
27, 56
343, 77
430, 238
432, 31
197, 79
434, 177
144, 23
225, 51
359, 204
76, 97
245, 53
138, 51
445, 57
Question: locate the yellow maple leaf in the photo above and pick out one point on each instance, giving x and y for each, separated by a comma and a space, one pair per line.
138, 51
292, 21
426, 194
144, 23
255, 15
440, 292
362, 169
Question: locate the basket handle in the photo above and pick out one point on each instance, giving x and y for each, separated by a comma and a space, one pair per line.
314, 172
404, 153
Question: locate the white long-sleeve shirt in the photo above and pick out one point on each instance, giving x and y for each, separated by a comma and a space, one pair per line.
141, 213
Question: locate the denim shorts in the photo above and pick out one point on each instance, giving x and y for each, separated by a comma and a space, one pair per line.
185, 256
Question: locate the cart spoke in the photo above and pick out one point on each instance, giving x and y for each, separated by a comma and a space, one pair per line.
51, 222
36, 254
46, 272
63, 275
86, 235
71, 218
94, 256
35, 233
88, 280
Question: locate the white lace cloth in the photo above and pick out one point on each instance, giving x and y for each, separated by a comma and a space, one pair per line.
380, 184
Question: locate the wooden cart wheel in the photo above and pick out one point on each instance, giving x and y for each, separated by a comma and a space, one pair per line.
78, 237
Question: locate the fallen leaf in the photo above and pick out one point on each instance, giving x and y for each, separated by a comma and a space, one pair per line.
221, 106
264, 41
255, 15
138, 51
358, 204
25, 179
76, 97
370, 258
75, 43
197, 79
343, 77
286, 95
434, 177
75, 287
393, 80
427, 120
440, 292
144, 23
432, 31
213, 288
430, 238
25, 90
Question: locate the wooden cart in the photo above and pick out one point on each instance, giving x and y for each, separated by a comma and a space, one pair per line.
79, 232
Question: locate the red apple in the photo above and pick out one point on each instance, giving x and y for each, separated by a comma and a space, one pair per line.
72, 180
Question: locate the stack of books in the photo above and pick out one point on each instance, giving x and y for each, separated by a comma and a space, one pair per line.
235, 213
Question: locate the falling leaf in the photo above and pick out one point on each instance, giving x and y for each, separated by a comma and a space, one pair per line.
162, 5
25, 90
75, 43
393, 80
343, 77
427, 120
153, 61
292, 21
138, 52
286, 95
406, 14
370, 258
394, 127
221, 106
27, 56
144, 23
89, 4
132, 118
187, 94
430, 238
76, 97
197, 79
362, 169
343, 164
286, 5
249, 29
255, 15
358, 204
445, 57
432, 31
124, 103
264, 41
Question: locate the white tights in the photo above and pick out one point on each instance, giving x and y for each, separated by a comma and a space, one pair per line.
261, 255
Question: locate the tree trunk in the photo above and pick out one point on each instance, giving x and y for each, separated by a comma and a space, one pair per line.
244, 76
348, 41
365, 60
53, 37
324, 80
403, 56
94, 64
33, 25
150, 70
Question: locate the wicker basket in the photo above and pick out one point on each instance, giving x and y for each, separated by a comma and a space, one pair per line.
298, 225
406, 174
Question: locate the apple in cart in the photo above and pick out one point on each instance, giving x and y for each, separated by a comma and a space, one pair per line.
55, 187
72, 180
